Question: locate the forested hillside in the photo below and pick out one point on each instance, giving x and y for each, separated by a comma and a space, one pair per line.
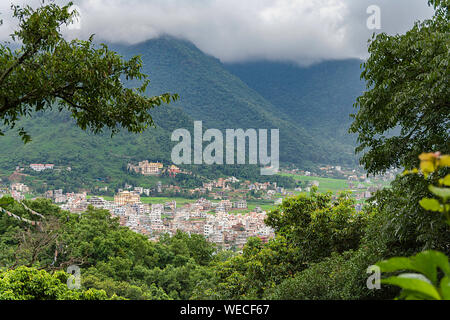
56, 139
319, 98
210, 93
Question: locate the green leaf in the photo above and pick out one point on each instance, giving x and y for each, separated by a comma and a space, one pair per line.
443, 193
444, 161
415, 283
395, 264
427, 263
431, 205
445, 288
446, 180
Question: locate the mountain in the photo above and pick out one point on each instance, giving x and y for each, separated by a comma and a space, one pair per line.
209, 91
319, 98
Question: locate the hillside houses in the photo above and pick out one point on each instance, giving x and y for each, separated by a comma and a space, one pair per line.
18, 196
75, 202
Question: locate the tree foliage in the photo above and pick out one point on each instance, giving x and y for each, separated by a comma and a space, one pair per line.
48, 72
316, 225
406, 110
111, 257
309, 229
26, 283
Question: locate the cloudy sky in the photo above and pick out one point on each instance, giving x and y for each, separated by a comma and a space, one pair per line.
301, 31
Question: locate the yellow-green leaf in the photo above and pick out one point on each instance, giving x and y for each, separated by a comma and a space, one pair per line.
443, 193
445, 181
444, 161
431, 205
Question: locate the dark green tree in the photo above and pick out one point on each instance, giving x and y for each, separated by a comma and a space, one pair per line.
405, 112
406, 109
48, 72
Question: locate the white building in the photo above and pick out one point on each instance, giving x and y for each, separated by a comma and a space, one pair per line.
41, 167
241, 204
140, 190
208, 230
156, 212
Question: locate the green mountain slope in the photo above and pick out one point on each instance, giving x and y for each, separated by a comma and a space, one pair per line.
211, 93
208, 92
57, 140
319, 98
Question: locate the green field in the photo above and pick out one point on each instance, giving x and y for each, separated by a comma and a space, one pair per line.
265, 205
252, 204
162, 200
325, 184
156, 200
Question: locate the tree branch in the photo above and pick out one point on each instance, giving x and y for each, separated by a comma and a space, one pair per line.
19, 61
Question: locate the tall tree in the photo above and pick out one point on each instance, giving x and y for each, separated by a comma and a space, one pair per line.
49, 72
404, 112
406, 108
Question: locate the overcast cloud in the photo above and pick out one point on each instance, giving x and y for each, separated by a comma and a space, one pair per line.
302, 31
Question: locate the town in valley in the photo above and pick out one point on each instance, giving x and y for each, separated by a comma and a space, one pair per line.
226, 210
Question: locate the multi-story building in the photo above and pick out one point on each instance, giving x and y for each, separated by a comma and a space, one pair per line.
146, 168
127, 197
150, 168
241, 204
171, 205
97, 202
226, 204
208, 230
139, 190
156, 212
60, 199
58, 193
141, 208
20, 187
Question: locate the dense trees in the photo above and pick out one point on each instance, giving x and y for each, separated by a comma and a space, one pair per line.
309, 228
31, 284
113, 258
322, 247
405, 112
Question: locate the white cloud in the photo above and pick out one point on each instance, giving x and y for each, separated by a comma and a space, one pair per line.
303, 31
